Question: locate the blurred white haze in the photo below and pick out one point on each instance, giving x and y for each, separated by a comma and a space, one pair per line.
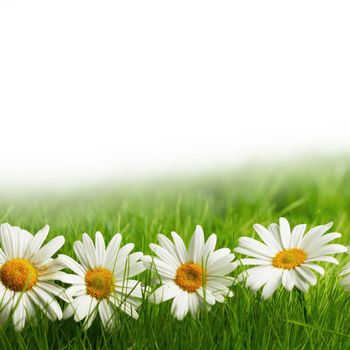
96, 90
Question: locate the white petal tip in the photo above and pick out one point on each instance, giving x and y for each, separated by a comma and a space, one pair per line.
282, 219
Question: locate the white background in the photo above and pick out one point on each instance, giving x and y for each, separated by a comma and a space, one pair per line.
91, 90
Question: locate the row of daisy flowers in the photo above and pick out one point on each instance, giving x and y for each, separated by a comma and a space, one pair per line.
102, 278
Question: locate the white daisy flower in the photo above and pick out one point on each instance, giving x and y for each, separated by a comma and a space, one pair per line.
102, 280
286, 257
27, 272
194, 278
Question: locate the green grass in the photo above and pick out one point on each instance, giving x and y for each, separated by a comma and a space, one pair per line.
228, 205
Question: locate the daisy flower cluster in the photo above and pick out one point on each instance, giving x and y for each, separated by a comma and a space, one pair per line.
104, 281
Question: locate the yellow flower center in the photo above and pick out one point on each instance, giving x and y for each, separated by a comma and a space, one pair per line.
190, 277
289, 259
99, 282
18, 275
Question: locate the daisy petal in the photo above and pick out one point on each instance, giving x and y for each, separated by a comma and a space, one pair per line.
275, 231
206, 295
251, 253
301, 284
297, 235
193, 304
307, 275
267, 237
91, 315
107, 314
329, 237
19, 314
167, 244
164, 293
72, 264
81, 254
327, 249
196, 245
85, 304
6, 240
180, 247
253, 261
285, 233
209, 246
72, 279
288, 279
161, 268
48, 250
112, 251
75, 290
317, 268
179, 307
164, 255
257, 247
100, 248
326, 258
314, 234
272, 284
36, 242
89, 249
